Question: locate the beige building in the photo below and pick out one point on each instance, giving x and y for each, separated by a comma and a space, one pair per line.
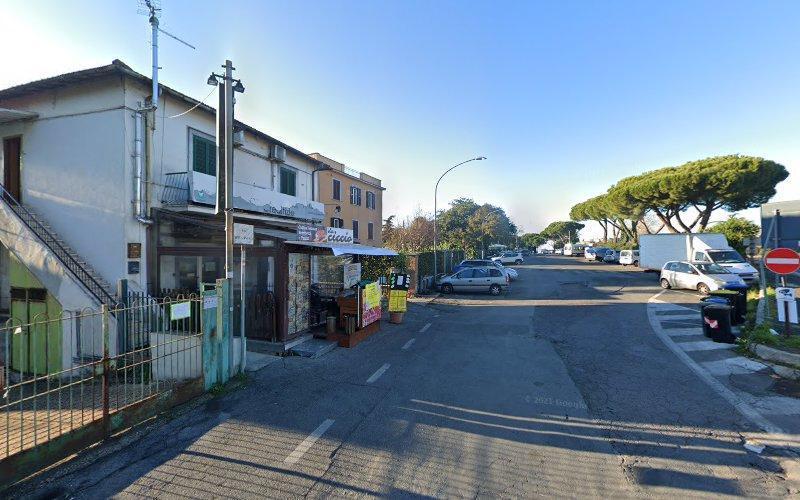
352, 199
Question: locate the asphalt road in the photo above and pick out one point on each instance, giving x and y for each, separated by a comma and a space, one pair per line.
566, 386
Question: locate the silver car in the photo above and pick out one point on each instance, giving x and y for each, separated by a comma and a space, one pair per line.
700, 276
476, 279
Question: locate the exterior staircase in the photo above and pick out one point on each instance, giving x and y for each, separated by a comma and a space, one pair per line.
27, 234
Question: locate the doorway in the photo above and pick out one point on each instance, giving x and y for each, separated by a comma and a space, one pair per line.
12, 148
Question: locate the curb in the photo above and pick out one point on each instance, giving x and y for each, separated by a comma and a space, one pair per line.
784, 364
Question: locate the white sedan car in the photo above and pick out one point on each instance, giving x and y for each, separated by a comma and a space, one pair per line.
701, 276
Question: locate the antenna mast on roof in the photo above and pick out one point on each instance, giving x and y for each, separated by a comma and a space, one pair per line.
153, 9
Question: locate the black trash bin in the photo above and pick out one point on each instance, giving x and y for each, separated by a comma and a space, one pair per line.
717, 321
740, 302
731, 298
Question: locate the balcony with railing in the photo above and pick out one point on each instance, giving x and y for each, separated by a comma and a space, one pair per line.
183, 189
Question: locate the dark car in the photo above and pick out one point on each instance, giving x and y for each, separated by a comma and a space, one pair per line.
600, 253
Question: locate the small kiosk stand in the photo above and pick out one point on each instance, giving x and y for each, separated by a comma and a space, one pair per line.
359, 316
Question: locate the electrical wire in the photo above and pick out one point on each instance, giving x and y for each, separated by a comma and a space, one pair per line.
196, 105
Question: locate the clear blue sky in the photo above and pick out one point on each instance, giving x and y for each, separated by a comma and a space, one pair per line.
564, 98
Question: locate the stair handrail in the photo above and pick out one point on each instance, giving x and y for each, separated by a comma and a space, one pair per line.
101, 294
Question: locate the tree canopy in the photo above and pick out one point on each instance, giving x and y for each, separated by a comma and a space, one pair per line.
532, 240
682, 198
472, 227
736, 230
563, 232
466, 226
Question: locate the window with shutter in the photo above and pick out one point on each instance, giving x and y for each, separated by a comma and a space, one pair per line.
337, 190
288, 181
204, 155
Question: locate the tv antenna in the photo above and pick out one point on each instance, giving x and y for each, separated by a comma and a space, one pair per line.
153, 9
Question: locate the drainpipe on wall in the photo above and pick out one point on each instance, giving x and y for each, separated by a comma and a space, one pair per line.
323, 166
139, 173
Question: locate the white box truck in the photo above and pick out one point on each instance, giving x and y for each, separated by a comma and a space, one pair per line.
655, 250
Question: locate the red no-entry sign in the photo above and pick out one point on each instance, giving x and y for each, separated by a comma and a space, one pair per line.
782, 261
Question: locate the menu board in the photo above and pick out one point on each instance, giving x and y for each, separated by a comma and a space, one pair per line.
398, 292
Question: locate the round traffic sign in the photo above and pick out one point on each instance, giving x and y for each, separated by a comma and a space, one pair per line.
782, 261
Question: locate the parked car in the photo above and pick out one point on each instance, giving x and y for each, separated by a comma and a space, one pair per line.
700, 276
558, 251
574, 249
469, 263
658, 249
611, 255
629, 257
472, 263
476, 279
525, 252
512, 273
509, 258
596, 253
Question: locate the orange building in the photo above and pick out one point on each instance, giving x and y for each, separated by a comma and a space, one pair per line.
353, 200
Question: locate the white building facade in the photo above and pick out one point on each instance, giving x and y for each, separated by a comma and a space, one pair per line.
130, 191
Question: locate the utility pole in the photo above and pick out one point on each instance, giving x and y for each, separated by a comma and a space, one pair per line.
225, 178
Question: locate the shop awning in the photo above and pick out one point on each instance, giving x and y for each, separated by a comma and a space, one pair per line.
340, 249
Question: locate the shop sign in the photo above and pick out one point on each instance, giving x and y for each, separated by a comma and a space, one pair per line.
371, 304
306, 232
243, 234
398, 292
352, 274
339, 235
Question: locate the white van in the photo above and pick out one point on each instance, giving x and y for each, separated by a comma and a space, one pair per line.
629, 257
658, 249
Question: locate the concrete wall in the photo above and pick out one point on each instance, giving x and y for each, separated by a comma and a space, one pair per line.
77, 165
74, 168
171, 145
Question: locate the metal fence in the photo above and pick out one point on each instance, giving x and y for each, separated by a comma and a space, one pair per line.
61, 374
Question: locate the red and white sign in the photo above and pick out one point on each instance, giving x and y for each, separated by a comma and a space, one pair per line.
782, 261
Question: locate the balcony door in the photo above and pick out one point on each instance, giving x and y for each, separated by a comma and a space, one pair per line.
12, 148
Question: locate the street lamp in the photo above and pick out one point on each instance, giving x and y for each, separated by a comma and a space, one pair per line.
435, 209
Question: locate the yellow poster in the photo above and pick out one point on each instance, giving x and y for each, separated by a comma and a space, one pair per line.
397, 300
372, 295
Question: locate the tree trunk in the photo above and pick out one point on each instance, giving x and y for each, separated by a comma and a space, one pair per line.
665, 220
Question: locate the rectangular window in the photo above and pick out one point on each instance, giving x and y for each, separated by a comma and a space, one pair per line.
370, 231
335, 222
337, 189
204, 155
355, 196
371, 200
288, 181
355, 229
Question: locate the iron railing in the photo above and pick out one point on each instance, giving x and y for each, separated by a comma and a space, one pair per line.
62, 374
176, 189
57, 248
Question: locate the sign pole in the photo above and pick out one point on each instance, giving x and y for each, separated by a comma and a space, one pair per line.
242, 337
787, 328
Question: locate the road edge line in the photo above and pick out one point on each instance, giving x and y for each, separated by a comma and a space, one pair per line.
738, 403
